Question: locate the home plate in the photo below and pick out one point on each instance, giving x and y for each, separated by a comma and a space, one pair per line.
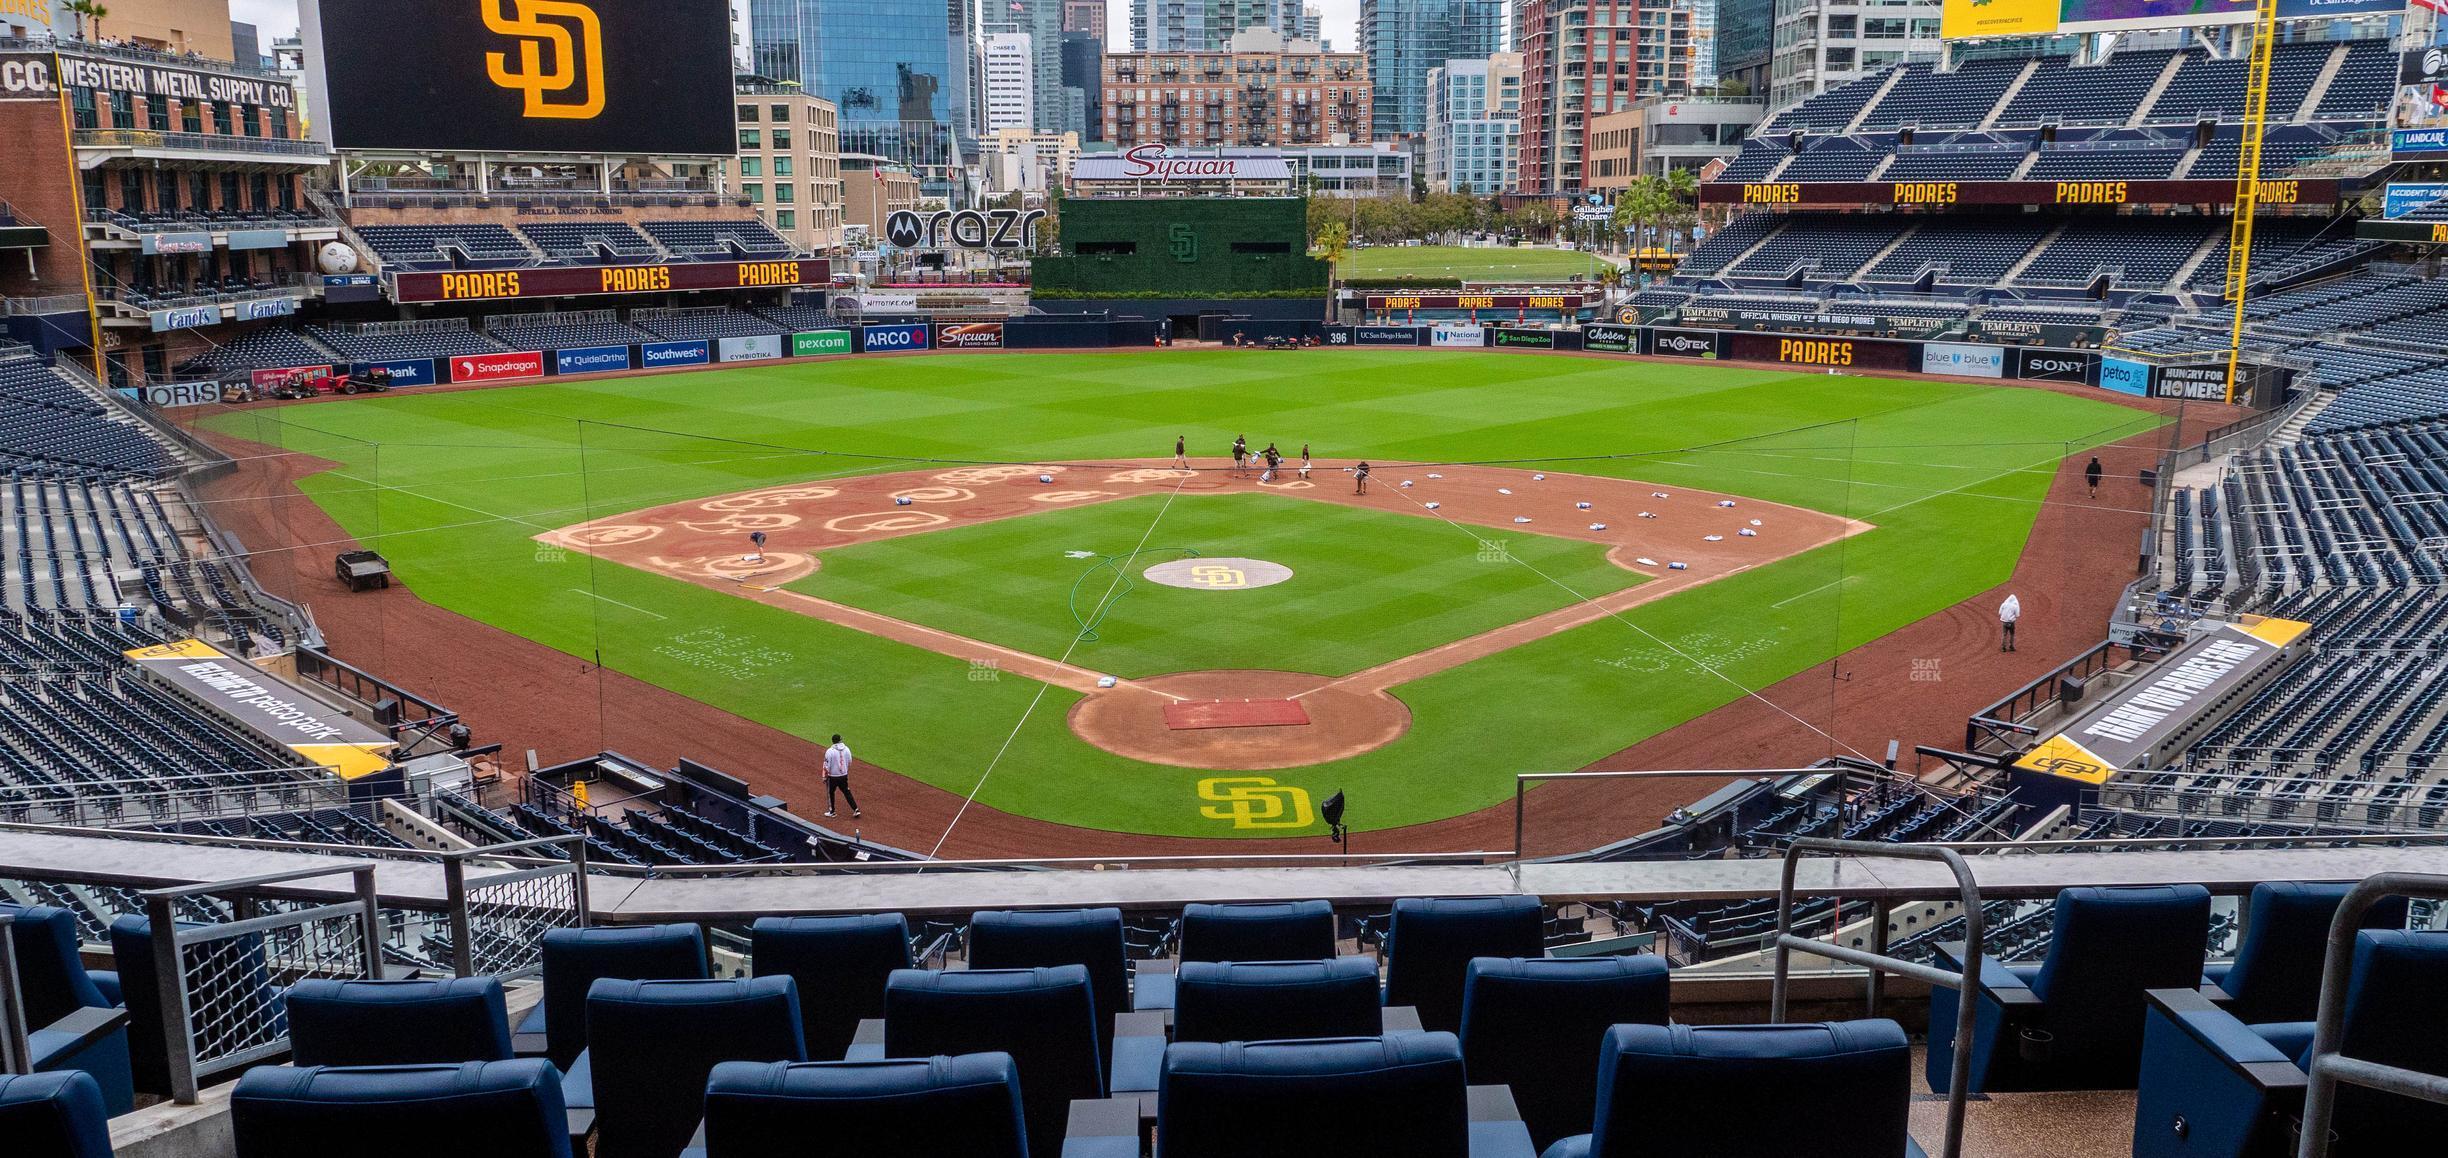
1191, 715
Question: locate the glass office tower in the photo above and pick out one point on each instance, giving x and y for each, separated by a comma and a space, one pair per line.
897, 69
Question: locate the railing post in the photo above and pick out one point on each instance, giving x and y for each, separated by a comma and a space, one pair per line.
462, 927
578, 881
170, 985
2327, 1066
370, 921
16, 1049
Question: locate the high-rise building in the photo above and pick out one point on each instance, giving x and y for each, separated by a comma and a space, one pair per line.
1403, 39
790, 168
1582, 59
1055, 107
1741, 44
898, 71
1085, 16
1474, 124
1007, 67
1083, 68
1268, 92
1209, 25
1817, 47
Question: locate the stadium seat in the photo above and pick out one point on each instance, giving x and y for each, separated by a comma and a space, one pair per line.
2074, 1022
1294, 931
2214, 1086
1036, 939
2277, 971
55, 1115
1752, 1091
1279, 1099
1431, 942
967, 1106
841, 964
391, 1023
1275, 1000
574, 959
1536, 1025
509, 1109
1044, 1018
247, 982
652, 1044
71, 1024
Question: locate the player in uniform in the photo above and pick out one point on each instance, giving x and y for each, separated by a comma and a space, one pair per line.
1274, 460
1181, 456
1240, 454
1304, 466
1360, 477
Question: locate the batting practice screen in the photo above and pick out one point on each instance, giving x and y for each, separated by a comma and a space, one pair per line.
527, 76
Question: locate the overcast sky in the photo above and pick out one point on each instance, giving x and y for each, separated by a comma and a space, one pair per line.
279, 18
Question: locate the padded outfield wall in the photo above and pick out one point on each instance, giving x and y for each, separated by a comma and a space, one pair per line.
1182, 248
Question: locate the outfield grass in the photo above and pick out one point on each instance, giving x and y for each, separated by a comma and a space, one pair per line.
1367, 587
1472, 263
452, 487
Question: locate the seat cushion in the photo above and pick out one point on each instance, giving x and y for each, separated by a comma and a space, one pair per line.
1431, 943
54, 1116
380, 1023
1538, 1026
1282, 1099
1846, 1085
1294, 931
574, 959
1272, 1000
967, 1105
840, 963
652, 1044
508, 1109
1090, 938
1044, 1018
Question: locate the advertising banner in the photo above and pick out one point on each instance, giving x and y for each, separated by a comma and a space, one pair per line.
820, 342
2133, 722
261, 308
1969, 361
2415, 232
186, 318
1379, 303
267, 707
266, 379
1385, 336
176, 243
2056, 366
1832, 353
1683, 343
663, 355
591, 360
174, 395
585, 281
2421, 144
2199, 383
1525, 339
2294, 192
525, 76
2118, 15
969, 336
2420, 121
404, 371
352, 287
2406, 198
1450, 335
759, 348
884, 339
497, 367
2043, 333
1607, 338
258, 238
2331, 9
1964, 19
888, 303
2125, 376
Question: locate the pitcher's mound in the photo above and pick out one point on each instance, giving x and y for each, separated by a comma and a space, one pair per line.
1190, 716
1238, 721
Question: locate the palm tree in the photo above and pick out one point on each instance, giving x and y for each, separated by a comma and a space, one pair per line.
87, 10
1333, 240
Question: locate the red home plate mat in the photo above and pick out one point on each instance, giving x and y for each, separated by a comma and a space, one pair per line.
1191, 715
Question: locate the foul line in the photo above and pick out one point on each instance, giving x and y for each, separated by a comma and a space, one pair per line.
616, 602
1813, 591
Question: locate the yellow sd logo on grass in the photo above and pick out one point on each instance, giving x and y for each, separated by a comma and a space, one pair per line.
1255, 802
544, 28
1218, 575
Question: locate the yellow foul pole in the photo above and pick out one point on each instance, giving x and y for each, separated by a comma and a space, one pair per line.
2248, 179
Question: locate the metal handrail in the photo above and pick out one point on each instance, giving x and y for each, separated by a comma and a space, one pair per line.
2328, 1065
1877, 963
16, 1035
455, 885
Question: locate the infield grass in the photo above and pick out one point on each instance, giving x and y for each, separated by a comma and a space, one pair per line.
452, 488
1470, 263
1366, 587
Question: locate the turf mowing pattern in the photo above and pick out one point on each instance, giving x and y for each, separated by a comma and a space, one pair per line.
452, 487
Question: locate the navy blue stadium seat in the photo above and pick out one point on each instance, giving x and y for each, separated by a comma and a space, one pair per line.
2277, 971
1044, 1018
967, 1106
53, 1116
2214, 1086
1536, 1025
1277, 1099
2074, 1022
392, 1023
63, 1006
1431, 942
1752, 1091
1037, 939
1292, 931
508, 1109
574, 959
1274, 1000
247, 982
652, 1044
841, 964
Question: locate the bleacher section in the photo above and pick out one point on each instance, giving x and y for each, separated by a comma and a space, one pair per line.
1828, 248
590, 241
1975, 253
398, 340
48, 423
718, 240
562, 331
416, 246
2062, 93
1960, 99
268, 347
2141, 253
706, 323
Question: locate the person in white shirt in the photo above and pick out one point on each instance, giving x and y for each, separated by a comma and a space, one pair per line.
837, 777
2008, 613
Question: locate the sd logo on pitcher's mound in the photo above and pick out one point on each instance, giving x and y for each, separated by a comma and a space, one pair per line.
1218, 574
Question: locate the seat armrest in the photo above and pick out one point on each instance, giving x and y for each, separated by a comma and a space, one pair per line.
1496, 1127
527, 1037
1152, 985
1103, 1128
1996, 981
1138, 1052
1393, 1019
2220, 1035
70, 1035
868, 1043
578, 1100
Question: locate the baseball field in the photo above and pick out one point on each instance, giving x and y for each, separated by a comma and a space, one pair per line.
989, 570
